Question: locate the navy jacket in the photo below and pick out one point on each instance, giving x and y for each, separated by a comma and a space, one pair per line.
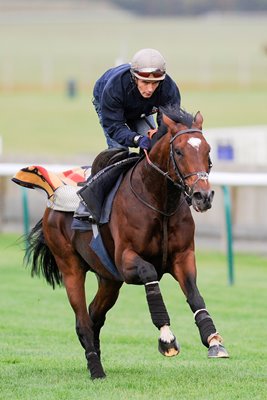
121, 102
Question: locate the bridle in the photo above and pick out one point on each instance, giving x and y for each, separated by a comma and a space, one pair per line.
181, 184
201, 175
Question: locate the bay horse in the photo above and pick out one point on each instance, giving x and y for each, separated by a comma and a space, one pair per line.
150, 233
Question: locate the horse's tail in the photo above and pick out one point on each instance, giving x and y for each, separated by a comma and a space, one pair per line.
39, 256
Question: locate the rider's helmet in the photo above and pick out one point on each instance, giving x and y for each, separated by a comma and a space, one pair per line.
148, 65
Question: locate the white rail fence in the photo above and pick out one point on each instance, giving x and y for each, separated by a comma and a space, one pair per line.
225, 180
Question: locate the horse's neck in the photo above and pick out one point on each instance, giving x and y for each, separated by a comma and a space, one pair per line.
157, 187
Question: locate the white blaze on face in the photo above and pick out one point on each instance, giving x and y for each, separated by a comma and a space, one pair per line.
194, 142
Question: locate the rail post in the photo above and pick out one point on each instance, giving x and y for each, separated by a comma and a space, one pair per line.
229, 233
25, 207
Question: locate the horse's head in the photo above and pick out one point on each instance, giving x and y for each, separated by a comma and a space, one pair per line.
189, 156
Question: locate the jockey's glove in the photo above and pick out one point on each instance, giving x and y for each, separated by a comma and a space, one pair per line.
142, 141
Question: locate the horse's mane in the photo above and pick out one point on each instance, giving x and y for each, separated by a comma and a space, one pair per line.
176, 114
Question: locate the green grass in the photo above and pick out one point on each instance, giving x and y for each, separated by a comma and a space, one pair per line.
219, 63
42, 359
48, 49
49, 125
52, 127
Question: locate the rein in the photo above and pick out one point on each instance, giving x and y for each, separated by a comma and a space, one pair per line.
144, 201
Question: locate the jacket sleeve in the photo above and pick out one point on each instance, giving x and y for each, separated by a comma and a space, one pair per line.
113, 117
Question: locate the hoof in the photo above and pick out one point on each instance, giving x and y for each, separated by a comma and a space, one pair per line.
217, 351
98, 377
169, 349
95, 367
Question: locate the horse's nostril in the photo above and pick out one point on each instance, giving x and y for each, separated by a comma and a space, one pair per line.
198, 196
206, 197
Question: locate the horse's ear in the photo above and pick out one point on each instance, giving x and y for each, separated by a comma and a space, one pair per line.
168, 122
198, 119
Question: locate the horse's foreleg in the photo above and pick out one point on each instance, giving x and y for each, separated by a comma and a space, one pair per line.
147, 274
106, 297
185, 274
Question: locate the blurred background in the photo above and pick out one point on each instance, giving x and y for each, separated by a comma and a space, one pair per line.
52, 52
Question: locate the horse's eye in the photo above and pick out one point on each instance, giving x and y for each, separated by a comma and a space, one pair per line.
178, 152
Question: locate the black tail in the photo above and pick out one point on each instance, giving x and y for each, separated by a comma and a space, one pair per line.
40, 257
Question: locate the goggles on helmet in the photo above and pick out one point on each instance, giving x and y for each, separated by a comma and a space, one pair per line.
146, 74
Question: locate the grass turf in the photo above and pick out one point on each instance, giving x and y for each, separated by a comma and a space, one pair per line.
41, 357
53, 127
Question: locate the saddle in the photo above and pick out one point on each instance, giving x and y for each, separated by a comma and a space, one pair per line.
98, 192
63, 192
61, 188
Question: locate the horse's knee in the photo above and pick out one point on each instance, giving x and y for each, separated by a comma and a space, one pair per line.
147, 273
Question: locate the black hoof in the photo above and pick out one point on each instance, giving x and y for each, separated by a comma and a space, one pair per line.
169, 349
217, 351
95, 367
98, 377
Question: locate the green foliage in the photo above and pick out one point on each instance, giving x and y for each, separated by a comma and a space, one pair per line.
41, 357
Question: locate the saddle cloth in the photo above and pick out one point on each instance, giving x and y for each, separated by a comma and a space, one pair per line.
64, 193
61, 189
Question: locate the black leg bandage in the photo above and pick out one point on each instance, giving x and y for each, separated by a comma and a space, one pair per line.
158, 312
205, 325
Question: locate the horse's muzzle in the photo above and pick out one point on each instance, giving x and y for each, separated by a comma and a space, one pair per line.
201, 200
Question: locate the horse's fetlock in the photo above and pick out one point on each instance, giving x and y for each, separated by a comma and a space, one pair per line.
214, 338
205, 325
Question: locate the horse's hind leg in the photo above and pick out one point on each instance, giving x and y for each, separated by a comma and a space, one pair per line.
106, 297
73, 274
74, 281
185, 274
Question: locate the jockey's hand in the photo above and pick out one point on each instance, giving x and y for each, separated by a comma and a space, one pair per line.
144, 143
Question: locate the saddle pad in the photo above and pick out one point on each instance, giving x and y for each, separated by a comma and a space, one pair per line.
64, 199
37, 177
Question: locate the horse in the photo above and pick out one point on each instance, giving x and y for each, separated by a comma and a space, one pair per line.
150, 233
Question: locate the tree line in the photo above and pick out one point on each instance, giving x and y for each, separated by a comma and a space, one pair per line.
189, 7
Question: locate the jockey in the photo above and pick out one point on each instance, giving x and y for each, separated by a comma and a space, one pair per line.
127, 96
